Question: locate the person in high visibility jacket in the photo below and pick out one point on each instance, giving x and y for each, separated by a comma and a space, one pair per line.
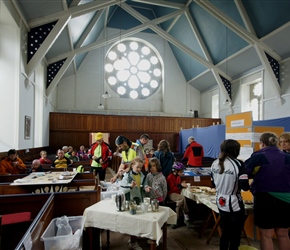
130, 150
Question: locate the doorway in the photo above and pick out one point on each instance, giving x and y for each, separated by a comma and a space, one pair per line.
106, 137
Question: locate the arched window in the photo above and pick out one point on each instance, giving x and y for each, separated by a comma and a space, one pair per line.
133, 69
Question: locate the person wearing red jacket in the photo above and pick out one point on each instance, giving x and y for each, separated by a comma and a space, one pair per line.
174, 193
193, 153
100, 154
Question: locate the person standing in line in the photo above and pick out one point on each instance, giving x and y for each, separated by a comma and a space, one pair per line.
165, 156
270, 169
12, 164
130, 150
193, 154
229, 177
100, 155
144, 139
284, 142
155, 183
132, 184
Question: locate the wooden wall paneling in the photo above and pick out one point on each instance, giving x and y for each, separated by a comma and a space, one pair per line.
74, 129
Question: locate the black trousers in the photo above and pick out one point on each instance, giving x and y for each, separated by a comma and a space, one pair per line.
100, 171
232, 224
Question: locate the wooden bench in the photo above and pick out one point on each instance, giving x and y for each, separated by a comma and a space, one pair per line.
43, 208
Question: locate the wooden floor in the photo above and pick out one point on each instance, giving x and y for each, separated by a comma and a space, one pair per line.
180, 238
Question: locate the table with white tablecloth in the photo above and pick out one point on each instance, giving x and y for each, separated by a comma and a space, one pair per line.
151, 225
210, 201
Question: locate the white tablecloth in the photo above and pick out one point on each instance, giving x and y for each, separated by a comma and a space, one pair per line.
209, 200
42, 178
104, 215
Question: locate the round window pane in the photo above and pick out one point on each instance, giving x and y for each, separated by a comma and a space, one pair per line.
133, 69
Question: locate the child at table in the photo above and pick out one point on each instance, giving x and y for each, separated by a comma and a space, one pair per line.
132, 184
174, 192
132, 181
36, 167
155, 182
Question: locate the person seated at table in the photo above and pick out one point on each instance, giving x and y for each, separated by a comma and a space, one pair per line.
43, 158
12, 164
174, 193
155, 183
73, 157
229, 177
69, 151
35, 167
132, 184
82, 153
61, 161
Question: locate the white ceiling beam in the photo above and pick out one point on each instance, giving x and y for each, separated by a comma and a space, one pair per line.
177, 18
46, 45
235, 27
89, 28
175, 42
245, 17
115, 38
198, 36
221, 86
73, 12
59, 75
19, 12
207, 56
263, 58
74, 3
161, 3
269, 71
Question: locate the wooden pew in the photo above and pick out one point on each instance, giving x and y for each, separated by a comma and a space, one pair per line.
44, 208
11, 177
10, 204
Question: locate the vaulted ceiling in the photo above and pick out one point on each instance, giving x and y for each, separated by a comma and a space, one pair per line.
211, 40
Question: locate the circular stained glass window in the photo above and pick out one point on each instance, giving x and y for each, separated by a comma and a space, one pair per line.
133, 69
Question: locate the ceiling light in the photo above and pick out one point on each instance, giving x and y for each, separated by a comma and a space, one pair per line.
106, 95
227, 103
101, 106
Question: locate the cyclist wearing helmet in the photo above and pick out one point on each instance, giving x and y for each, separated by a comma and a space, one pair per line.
174, 189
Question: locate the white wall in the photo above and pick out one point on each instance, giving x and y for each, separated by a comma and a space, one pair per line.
82, 93
20, 96
272, 106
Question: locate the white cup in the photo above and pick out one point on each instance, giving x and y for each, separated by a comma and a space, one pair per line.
145, 207
188, 185
146, 200
74, 170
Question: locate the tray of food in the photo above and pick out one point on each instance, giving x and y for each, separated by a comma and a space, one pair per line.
211, 191
195, 190
203, 188
61, 177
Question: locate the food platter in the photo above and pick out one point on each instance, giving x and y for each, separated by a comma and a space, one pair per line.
67, 173
203, 188
211, 191
61, 177
195, 190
